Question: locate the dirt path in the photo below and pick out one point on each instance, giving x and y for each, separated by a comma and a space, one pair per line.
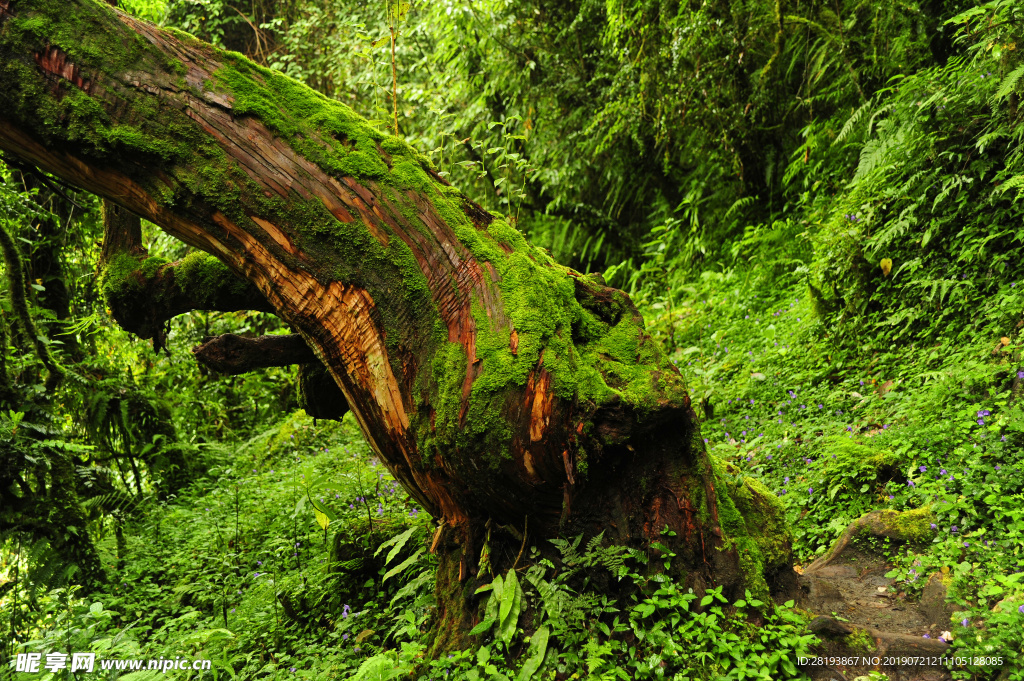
863, 619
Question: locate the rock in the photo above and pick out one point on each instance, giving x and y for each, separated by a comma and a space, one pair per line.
817, 595
826, 627
933, 600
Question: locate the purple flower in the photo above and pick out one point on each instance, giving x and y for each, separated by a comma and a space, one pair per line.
910, 483
785, 480
954, 529
1020, 374
998, 467
925, 636
966, 622
1020, 609
810, 490
934, 526
922, 468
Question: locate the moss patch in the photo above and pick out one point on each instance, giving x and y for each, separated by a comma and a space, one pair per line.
753, 521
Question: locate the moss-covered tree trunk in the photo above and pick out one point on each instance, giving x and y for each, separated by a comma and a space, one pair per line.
495, 383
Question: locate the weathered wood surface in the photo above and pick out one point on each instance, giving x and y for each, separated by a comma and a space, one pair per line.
493, 382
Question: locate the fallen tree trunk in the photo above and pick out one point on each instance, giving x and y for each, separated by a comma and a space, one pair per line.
494, 383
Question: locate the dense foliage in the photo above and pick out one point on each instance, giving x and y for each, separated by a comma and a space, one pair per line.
817, 206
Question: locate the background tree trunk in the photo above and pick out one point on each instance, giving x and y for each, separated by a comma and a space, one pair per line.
494, 383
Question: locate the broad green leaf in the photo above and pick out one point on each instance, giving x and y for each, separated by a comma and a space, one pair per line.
495, 599
321, 518
535, 655
509, 614
482, 628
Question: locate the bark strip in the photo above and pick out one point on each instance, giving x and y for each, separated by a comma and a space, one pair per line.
233, 355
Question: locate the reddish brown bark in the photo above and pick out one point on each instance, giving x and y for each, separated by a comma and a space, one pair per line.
494, 383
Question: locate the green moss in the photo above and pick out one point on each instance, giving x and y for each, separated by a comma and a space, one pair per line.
855, 464
860, 641
753, 522
124, 276
347, 144
914, 526
202, 277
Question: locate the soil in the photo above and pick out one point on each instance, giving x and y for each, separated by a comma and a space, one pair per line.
863, 619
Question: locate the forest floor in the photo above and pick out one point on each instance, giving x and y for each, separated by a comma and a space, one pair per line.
298, 556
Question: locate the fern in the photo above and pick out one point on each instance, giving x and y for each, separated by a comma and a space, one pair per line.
1009, 83
852, 122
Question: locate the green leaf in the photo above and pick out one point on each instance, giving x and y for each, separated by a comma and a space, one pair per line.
494, 601
401, 566
482, 628
381, 667
511, 604
398, 541
535, 655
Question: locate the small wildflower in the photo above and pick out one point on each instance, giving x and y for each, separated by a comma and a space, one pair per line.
922, 468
